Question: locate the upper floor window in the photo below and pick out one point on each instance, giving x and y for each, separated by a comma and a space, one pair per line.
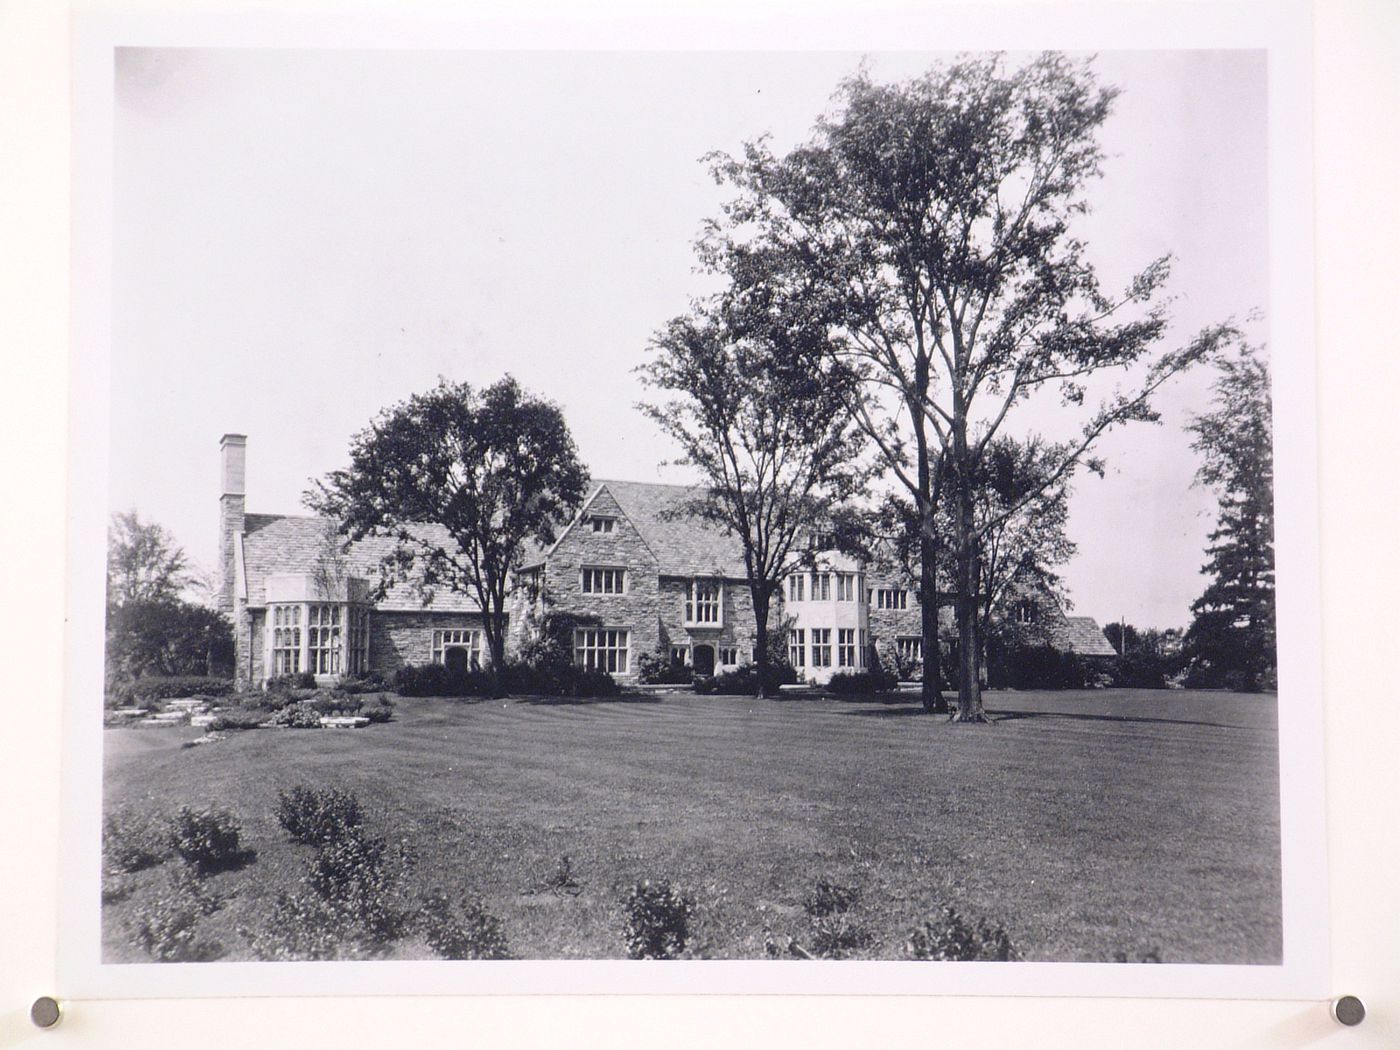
891, 598
703, 603
821, 541
601, 524
603, 581
797, 587
821, 586
846, 587
1025, 611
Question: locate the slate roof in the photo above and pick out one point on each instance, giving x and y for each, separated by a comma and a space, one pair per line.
1081, 635
277, 543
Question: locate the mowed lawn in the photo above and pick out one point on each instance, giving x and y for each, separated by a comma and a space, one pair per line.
1086, 823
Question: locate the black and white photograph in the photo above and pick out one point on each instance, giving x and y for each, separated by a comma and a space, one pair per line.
696, 506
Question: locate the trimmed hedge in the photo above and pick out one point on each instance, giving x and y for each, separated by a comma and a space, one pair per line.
146, 690
564, 681
848, 683
744, 681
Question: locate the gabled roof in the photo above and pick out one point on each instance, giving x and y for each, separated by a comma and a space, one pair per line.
685, 545
1081, 635
277, 543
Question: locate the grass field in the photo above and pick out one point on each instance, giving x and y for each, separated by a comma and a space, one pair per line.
1086, 823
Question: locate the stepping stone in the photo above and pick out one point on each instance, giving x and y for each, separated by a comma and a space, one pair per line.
202, 720
344, 722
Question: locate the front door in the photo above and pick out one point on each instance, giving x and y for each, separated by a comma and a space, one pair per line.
457, 660
702, 657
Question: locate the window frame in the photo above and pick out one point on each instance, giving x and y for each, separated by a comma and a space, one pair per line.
602, 524
821, 647
460, 640
797, 646
590, 575
694, 604
603, 648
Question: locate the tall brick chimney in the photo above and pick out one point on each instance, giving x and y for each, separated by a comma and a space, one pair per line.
233, 456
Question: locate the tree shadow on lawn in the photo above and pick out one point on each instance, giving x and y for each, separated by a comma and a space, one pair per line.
1012, 716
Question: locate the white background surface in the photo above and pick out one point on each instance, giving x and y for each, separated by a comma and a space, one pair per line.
1357, 48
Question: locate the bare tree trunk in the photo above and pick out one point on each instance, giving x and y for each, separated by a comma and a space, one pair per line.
969, 648
932, 689
761, 601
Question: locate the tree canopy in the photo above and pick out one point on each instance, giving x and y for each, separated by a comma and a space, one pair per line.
937, 217
1232, 639
495, 468
144, 563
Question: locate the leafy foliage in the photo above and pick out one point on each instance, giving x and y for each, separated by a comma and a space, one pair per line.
745, 680
133, 841
299, 715
166, 638
858, 683
144, 563
208, 840
1015, 664
464, 931
461, 479
166, 927
147, 691
936, 217
948, 937
657, 919
312, 816
1232, 640
657, 669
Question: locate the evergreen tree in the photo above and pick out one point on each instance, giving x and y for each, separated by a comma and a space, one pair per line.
1232, 639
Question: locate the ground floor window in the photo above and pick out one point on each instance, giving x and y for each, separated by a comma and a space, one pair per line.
846, 647
359, 640
821, 646
602, 648
467, 640
323, 639
728, 656
680, 655
909, 649
286, 639
797, 647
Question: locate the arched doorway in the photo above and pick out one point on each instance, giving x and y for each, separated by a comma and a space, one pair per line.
702, 658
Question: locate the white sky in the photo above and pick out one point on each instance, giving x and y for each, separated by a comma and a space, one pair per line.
305, 237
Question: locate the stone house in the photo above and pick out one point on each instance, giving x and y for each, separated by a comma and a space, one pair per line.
641, 574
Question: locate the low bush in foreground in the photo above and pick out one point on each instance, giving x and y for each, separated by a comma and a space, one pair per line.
464, 931
744, 681
236, 719
133, 841
143, 692
208, 840
300, 715
312, 817
166, 926
657, 669
656, 920
379, 712
949, 937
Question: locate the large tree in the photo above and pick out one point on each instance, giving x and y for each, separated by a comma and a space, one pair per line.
144, 563
757, 407
940, 212
462, 479
1231, 641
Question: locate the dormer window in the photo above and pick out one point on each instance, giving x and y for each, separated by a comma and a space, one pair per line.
602, 525
704, 606
1025, 611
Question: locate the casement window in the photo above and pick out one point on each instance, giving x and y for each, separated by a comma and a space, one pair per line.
602, 648
1025, 611
601, 524
703, 603
593, 580
457, 638
797, 587
797, 647
846, 589
728, 656
821, 586
846, 647
821, 646
286, 639
680, 656
910, 650
863, 653
323, 639
891, 598
358, 637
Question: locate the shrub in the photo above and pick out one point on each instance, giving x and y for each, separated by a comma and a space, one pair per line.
847, 683
656, 920
301, 926
744, 681
232, 720
286, 683
165, 927
300, 715
350, 874
829, 898
437, 680
379, 712
133, 841
949, 937
657, 669
167, 638
311, 817
1012, 664
837, 935
468, 931
208, 840
147, 691
366, 682
337, 702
